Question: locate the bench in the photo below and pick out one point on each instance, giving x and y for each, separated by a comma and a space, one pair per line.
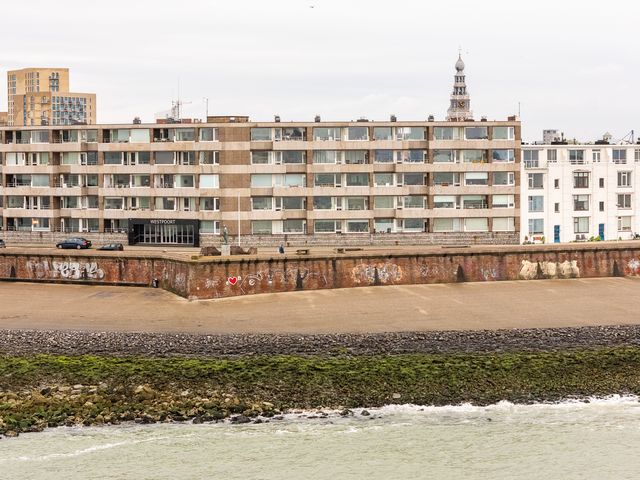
302, 251
348, 249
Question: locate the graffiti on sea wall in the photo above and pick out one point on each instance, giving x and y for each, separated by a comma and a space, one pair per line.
64, 270
633, 267
537, 270
376, 273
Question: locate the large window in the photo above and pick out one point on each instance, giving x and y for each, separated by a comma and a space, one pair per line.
260, 134
184, 135
504, 224
382, 133
530, 158
413, 224
209, 181
536, 226
326, 226
293, 226
357, 133
504, 178
356, 203
624, 179
383, 156
624, 201
208, 134
260, 157
447, 224
327, 133
326, 156
536, 180
503, 156
444, 201
357, 179
322, 203
413, 201
581, 203
413, 179
476, 224
476, 178
552, 155
446, 179
503, 133
383, 201
358, 226
294, 180
326, 179
474, 156
580, 179
261, 203
293, 203
209, 204
164, 158
624, 224
576, 157
261, 180
476, 133
580, 224
444, 156
619, 156
446, 133
410, 133
355, 157
261, 227
502, 201
293, 157
383, 179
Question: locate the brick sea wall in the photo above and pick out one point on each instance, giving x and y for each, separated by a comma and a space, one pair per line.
224, 277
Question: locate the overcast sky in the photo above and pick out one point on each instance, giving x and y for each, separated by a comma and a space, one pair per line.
573, 65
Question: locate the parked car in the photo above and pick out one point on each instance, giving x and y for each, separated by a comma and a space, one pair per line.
74, 242
2, 244
112, 247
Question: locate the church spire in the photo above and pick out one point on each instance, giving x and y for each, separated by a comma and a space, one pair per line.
459, 107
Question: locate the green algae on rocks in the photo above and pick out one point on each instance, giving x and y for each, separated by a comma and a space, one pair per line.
50, 390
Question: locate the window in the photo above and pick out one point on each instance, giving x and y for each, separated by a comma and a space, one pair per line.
552, 155
446, 224
326, 226
503, 133
293, 226
580, 179
536, 226
357, 226
293, 203
383, 179
209, 158
502, 201
446, 179
208, 134
474, 156
556, 183
325, 179
261, 203
209, 204
536, 180
383, 225
411, 156
164, 158
476, 178
383, 202
293, 157
624, 179
291, 133
601, 182
446, 133
504, 224
261, 180
580, 224
383, 156
413, 179
357, 179
413, 224
536, 203
210, 226
502, 155
581, 203
356, 203
140, 135
413, 201
619, 156
576, 157
261, 227
601, 206
624, 200
530, 155
294, 180
322, 203
357, 133
504, 178
260, 134
476, 133
595, 156
476, 224
209, 181
327, 134
444, 156
382, 133
410, 133
325, 156
444, 201
624, 224
355, 157
636, 155
260, 157
556, 207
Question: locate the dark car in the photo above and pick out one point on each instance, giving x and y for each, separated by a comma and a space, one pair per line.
74, 242
2, 244
112, 247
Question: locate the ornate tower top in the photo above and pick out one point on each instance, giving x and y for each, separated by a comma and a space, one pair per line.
460, 104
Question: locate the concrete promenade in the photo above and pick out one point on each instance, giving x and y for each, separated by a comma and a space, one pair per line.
465, 306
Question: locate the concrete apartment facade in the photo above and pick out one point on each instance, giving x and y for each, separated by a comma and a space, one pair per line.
41, 96
576, 192
175, 183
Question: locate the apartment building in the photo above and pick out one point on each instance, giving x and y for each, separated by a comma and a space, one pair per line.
576, 192
41, 96
171, 183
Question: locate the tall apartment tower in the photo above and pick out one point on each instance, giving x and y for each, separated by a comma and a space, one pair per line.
459, 108
41, 96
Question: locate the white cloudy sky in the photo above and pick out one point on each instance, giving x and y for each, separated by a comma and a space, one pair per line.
571, 65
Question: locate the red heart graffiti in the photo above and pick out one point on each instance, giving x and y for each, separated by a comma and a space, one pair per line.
232, 280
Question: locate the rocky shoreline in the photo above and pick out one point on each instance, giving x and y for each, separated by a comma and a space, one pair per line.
61, 342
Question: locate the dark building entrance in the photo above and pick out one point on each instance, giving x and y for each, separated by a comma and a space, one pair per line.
160, 231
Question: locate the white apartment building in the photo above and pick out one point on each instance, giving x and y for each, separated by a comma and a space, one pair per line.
575, 192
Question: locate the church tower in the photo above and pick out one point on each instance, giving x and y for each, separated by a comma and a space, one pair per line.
459, 108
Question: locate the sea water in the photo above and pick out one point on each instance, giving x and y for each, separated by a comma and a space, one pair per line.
598, 439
